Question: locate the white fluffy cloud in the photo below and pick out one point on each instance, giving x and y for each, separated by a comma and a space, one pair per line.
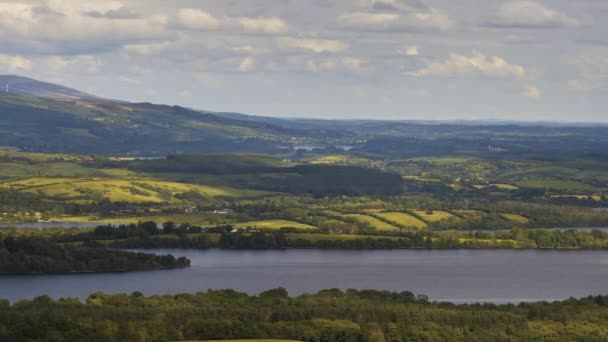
314, 45
529, 14
69, 25
196, 19
476, 64
272, 25
411, 50
14, 63
419, 20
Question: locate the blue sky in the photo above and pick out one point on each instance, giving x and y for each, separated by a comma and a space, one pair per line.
389, 59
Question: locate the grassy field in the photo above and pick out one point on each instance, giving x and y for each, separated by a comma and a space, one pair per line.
565, 185
121, 190
374, 222
515, 218
273, 224
318, 237
437, 215
402, 219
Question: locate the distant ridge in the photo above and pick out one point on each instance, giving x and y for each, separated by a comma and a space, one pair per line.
27, 86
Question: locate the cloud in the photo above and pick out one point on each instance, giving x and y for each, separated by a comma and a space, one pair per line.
324, 64
419, 20
476, 64
395, 5
61, 26
262, 25
532, 92
120, 13
247, 64
200, 20
529, 14
195, 19
15, 63
314, 45
411, 50
84, 62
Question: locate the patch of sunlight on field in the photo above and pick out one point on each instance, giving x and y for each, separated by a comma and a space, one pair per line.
580, 197
436, 215
403, 219
506, 186
469, 213
274, 224
372, 221
118, 190
515, 218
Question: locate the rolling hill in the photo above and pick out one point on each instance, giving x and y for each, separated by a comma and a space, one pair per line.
39, 116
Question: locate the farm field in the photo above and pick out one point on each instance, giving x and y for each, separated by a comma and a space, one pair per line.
273, 224
372, 221
436, 215
564, 185
402, 219
516, 218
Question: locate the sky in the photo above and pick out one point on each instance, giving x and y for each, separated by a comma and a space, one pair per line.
375, 59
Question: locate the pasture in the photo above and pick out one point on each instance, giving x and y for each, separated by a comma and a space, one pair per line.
402, 219
371, 221
434, 216
273, 224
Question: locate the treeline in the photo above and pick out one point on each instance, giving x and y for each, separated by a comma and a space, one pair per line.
329, 315
28, 254
149, 235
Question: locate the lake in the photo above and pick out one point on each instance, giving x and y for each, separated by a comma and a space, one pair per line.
497, 276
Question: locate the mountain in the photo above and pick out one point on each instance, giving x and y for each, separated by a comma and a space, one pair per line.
39, 116
20, 85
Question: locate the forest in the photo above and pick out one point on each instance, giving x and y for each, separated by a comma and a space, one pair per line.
329, 315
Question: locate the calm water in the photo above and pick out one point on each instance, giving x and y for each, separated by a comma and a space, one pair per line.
455, 275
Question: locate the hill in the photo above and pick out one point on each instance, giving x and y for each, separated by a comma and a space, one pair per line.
38, 116
19, 85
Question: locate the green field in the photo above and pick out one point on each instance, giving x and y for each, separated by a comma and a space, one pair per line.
564, 185
437, 215
372, 221
515, 218
402, 219
121, 190
273, 224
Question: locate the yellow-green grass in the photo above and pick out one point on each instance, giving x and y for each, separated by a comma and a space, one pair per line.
422, 179
504, 186
437, 215
121, 190
194, 219
339, 159
318, 237
580, 197
403, 219
274, 224
442, 160
555, 184
469, 213
515, 218
372, 221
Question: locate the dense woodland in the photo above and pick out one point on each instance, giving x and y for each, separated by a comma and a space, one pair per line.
329, 315
38, 255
